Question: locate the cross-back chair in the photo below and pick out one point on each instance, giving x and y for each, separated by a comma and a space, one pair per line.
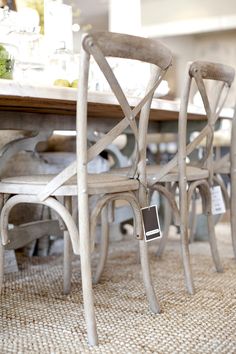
46, 189
226, 165
196, 174
223, 170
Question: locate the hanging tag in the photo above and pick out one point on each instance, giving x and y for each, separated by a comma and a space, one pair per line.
151, 224
217, 201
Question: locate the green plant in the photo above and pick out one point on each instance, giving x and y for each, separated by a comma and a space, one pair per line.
6, 64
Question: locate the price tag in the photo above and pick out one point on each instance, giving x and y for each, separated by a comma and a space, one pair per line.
151, 224
217, 201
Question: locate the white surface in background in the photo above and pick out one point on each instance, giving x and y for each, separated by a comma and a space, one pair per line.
130, 13
57, 25
11, 87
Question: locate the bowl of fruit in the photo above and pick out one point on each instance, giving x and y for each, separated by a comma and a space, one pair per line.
6, 61
66, 83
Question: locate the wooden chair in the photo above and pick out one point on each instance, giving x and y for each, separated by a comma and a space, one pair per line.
196, 174
45, 189
226, 165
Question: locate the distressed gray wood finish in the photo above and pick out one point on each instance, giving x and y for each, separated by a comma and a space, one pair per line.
233, 183
36, 189
10, 262
11, 142
67, 251
227, 165
200, 176
118, 48
19, 236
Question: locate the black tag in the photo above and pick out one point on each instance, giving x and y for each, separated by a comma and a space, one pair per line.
151, 224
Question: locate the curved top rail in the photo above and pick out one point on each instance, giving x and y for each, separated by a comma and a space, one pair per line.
212, 71
130, 47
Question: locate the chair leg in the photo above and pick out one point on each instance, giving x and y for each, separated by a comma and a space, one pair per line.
213, 245
88, 296
232, 211
184, 237
1, 266
233, 232
153, 304
186, 259
193, 219
166, 227
67, 252
104, 242
86, 272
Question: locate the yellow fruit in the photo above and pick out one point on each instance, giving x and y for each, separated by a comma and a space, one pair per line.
74, 83
61, 82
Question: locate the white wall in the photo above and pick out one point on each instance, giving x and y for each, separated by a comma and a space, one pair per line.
216, 46
160, 11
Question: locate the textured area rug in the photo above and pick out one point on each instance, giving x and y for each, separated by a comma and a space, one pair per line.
37, 318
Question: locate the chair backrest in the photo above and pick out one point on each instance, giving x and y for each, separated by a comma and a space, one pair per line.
221, 77
101, 45
213, 99
105, 44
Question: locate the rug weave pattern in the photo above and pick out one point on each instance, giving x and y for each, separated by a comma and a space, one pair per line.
37, 318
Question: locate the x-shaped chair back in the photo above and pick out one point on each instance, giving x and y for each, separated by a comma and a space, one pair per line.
101, 45
199, 71
213, 102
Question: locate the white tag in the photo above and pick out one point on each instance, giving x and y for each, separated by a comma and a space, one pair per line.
217, 201
151, 224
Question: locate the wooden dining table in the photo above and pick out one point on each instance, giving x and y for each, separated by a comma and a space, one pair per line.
43, 109
34, 107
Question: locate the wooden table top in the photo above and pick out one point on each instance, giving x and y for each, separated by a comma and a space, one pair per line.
62, 101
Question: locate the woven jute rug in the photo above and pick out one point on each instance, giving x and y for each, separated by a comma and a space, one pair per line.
37, 318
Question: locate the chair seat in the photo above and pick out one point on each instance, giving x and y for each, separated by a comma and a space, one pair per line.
97, 184
192, 173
